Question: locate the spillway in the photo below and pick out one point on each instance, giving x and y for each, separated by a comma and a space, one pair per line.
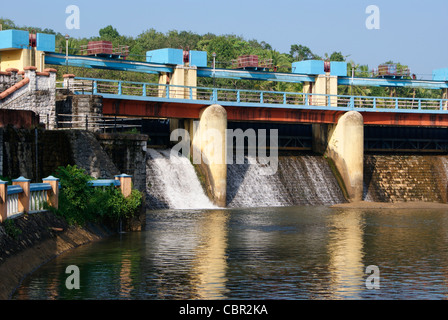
305, 179
300, 180
172, 183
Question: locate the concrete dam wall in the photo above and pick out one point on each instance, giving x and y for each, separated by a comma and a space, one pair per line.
302, 178
405, 178
305, 179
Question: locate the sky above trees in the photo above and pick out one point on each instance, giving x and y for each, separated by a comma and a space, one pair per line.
411, 31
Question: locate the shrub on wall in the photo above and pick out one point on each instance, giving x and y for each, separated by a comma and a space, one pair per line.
80, 203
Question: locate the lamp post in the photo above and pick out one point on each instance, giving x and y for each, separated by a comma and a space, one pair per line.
353, 78
66, 51
214, 69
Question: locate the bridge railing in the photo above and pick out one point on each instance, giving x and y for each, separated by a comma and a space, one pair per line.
95, 123
23, 196
239, 97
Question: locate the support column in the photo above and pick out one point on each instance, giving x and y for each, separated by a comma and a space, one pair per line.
177, 79
191, 80
332, 89
3, 201
320, 88
69, 80
163, 81
24, 197
53, 194
125, 184
308, 89
445, 97
30, 73
343, 143
209, 151
325, 84
181, 76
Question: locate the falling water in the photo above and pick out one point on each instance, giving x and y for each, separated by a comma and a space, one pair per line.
172, 183
300, 180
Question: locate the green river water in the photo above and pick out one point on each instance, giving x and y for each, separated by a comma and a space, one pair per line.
293, 253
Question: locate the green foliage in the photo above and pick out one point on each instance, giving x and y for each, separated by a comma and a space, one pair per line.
300, 53
11, 229
337, 56
7, 179
80, 203
227, 48
7, 24
109, 33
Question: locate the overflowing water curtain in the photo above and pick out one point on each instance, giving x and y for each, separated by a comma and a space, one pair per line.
300, 180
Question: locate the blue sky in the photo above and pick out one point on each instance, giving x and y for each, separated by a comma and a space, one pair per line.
411, 32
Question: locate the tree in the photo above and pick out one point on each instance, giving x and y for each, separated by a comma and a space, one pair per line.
280, 60
300, 53
109, 33
337, 56
7, 24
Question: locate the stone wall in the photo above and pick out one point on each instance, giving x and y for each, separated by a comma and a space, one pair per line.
89, 155
37, 153
9, 78
128, 153
43, 237
405, 178
78, 107
35, 92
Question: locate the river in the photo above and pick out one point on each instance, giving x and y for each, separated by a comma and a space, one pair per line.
283, 253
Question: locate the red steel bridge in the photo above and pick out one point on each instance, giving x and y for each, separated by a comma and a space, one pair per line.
152, 100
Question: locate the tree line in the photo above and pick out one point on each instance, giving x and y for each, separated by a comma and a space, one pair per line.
227, 48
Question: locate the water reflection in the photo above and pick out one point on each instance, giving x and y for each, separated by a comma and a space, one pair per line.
126, 280
346, 251
210, 262
260, 253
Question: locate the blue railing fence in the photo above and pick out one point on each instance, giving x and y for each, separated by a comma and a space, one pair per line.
238, 97
22, 196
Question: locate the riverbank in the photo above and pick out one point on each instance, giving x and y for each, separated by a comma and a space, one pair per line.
39, 239
396, 205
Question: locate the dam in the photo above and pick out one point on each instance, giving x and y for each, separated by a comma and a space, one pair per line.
223, 231
300, 180
399, 165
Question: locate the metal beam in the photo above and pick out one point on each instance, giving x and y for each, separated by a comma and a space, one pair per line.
380, 82
106, 63
405, 119
154, 68
254, 75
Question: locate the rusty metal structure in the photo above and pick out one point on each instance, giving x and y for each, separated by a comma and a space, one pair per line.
252, 62
104, 48
392, 70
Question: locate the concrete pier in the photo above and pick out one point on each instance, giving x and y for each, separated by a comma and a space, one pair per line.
208, 145
343, 143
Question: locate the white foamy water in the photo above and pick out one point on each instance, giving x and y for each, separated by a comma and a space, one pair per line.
300, 180
173, 183
248, 186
